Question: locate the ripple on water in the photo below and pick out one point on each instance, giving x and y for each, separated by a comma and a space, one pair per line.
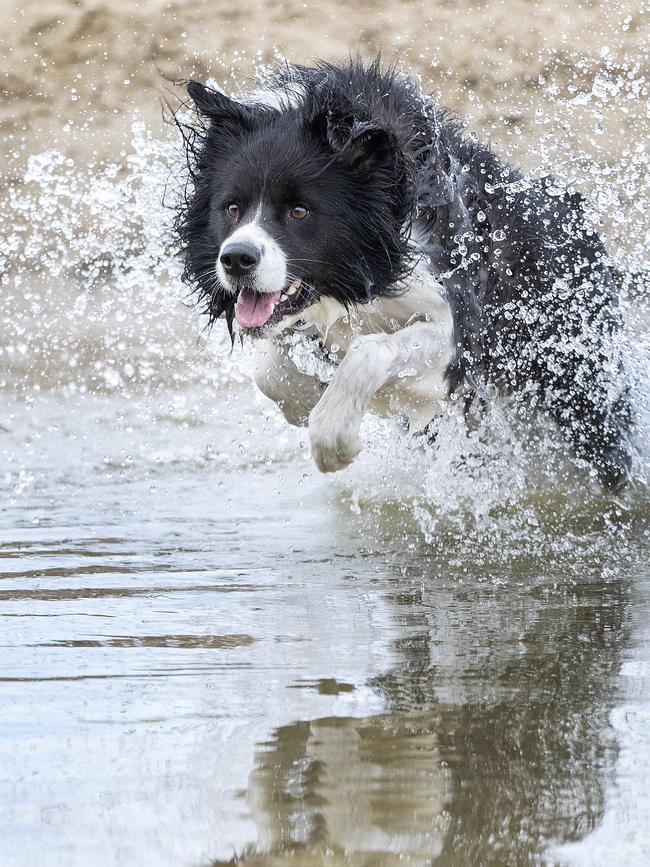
439, 656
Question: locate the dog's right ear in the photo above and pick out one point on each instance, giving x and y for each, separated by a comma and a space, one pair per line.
218, 107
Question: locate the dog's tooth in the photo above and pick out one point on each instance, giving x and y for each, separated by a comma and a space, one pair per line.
294, 287
283, 297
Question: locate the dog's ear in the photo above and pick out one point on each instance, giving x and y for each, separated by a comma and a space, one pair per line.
362, 144
218, 107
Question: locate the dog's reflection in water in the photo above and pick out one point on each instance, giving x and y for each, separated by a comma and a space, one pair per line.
345, 790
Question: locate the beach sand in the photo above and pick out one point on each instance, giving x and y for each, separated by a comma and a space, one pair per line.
74, 71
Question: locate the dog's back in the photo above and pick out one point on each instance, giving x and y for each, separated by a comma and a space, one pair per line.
534, 299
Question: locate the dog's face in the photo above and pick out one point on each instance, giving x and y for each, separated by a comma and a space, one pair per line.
290, 206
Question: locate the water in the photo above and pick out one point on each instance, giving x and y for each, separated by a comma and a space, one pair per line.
214, 655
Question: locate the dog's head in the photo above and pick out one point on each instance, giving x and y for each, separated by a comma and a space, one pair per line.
289, 205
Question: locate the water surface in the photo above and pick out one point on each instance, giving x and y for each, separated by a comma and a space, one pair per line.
213, 655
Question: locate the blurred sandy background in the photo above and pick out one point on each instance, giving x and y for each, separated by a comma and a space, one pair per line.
73, 71
558, 85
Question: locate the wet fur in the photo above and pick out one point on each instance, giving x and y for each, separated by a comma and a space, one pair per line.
533, 298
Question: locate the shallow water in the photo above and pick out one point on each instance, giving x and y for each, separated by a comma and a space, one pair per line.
214, 655
210, 651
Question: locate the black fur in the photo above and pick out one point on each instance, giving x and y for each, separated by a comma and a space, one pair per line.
356, 167
533, 296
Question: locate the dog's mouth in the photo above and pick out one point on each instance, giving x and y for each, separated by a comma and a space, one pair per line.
255, 309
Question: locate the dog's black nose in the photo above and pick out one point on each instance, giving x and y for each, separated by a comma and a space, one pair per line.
239, 259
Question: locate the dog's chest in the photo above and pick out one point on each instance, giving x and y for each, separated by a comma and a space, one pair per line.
417, 394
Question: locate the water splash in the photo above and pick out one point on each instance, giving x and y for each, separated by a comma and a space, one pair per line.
499, 480
92, 301
92, 298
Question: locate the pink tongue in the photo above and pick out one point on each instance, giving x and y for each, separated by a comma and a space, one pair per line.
254, 308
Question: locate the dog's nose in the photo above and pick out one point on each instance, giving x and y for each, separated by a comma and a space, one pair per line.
239, 259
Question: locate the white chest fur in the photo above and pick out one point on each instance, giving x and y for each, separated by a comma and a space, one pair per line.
419, 385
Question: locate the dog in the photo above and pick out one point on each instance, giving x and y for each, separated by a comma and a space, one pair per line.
341, 204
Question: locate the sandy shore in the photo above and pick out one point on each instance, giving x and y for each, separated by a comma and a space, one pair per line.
73, 71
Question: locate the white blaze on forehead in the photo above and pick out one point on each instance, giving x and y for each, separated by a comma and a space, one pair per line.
281, 99
271, 273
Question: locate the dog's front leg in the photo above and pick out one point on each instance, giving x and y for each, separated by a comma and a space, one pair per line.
278, 378
372, 361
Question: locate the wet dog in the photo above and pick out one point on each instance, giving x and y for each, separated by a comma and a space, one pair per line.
341, 202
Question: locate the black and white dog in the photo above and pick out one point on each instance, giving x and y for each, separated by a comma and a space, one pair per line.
342, 202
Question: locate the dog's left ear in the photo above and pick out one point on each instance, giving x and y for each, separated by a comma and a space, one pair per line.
362, 144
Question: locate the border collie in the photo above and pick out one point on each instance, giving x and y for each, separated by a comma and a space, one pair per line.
342, 203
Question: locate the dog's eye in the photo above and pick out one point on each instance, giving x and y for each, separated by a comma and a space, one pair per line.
233, 210
298, 212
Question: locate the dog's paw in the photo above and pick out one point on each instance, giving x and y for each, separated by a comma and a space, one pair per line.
333, 446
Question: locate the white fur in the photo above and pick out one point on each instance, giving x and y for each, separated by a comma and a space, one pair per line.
394, 354
278, 378
271, 273
281, 100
